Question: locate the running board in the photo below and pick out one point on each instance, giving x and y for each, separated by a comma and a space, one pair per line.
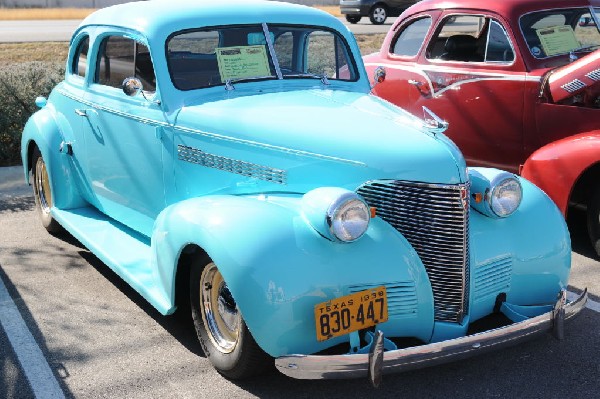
122, 249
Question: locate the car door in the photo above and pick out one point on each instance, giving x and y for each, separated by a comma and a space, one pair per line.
470, 75
123, 135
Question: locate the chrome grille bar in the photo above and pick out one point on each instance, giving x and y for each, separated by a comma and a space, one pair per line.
434, 220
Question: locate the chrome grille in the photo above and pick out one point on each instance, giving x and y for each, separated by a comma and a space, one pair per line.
434, 220
401, 296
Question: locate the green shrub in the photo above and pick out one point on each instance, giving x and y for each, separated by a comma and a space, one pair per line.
20, 84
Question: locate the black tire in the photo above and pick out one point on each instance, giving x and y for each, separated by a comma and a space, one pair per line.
593, 220
42, 192
225, 339
378, 14
353, 19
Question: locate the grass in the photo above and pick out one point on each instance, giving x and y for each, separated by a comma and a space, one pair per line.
14, 14
13, 53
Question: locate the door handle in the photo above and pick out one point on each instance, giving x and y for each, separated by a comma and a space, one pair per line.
422, 87
81, 112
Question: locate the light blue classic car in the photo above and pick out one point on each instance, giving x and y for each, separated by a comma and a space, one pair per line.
230, 160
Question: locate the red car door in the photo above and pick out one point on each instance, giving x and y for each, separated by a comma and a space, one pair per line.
469, 73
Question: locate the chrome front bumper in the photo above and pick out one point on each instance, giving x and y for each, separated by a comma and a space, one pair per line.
374, 364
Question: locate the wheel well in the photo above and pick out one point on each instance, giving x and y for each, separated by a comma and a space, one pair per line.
190, 254
382, 5
584, 186
30, 148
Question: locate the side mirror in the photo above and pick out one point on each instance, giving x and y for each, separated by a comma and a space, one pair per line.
379, 75
132, 86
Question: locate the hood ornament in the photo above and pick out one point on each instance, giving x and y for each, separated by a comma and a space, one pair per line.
432, 122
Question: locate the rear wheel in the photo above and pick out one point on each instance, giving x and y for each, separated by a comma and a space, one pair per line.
43, 192
378, 14
353, 19
593, 222
222, 332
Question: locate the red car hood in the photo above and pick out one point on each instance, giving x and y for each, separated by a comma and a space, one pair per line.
571, 79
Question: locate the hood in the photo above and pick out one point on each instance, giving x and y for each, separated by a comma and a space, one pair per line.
576, 77
321, 138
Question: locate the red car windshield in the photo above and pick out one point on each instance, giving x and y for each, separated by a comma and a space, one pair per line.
556, 32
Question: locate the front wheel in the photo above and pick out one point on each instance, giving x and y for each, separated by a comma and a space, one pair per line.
353, 19
378, 14
222, 332
593, 220
42, 192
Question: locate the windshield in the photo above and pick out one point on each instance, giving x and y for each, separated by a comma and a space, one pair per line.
228, 55
556, 32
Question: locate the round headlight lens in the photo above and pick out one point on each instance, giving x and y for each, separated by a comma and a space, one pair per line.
505, 196
348, 218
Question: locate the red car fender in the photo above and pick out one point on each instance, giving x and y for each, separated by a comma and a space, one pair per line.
556, 167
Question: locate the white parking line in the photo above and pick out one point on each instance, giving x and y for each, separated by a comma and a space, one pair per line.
593, 305
32, 360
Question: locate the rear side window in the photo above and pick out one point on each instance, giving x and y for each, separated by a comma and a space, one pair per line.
120, 58
410, 40
80, 59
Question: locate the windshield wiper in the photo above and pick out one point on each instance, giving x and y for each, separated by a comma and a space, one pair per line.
229, 82
322, 78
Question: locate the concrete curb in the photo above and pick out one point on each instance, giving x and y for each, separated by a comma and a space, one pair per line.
12, 183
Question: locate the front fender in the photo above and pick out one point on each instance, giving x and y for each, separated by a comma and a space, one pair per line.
278, 267
556, 167
42, 130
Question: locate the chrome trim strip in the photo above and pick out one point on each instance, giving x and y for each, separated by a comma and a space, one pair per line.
199, 157
484, 75
217, 136
146, 121
268, 146
356, 365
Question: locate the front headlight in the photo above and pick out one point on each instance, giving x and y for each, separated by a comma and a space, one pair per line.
348, 217
336, 213
495, 193
505, 195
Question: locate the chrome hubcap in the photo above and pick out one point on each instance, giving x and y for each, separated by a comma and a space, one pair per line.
42, 186
219, 310
379, 14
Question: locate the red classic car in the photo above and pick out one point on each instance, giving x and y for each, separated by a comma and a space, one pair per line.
517, 80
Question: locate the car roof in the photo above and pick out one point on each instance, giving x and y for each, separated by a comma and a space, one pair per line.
510, 9
160, 18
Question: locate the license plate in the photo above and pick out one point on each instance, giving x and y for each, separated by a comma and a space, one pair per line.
351, 313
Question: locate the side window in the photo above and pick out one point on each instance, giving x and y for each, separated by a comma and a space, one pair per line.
320, 44
471, 38
498, 46
410, 40
120, 58
80, 59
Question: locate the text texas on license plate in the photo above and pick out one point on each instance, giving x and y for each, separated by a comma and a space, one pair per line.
351, 313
